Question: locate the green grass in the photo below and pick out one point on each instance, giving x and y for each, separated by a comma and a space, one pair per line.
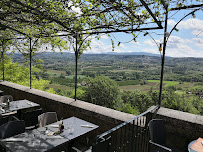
125, 70
79, 76
130, 82
58, 86
168, 83
141, 88
55, 73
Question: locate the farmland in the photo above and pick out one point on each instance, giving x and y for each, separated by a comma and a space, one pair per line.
131, 72
129, 83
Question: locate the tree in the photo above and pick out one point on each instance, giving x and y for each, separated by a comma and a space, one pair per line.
127, 108
102, 91
16, 73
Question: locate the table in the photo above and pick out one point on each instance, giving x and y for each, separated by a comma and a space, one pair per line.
189, 149
196, 145
18, 106
38, 140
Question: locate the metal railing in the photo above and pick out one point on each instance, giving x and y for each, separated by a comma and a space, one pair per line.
130, 136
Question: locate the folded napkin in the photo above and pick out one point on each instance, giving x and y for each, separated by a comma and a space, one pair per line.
87, 126
14, 139
30, 103
54, 126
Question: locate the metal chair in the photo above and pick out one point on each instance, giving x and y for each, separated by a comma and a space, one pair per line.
157, 135
6, 119
47, 118
102, 145
12, 128
31, 118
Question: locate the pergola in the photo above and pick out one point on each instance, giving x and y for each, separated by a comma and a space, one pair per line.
97, 17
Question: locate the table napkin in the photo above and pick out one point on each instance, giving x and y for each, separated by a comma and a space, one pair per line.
197, 145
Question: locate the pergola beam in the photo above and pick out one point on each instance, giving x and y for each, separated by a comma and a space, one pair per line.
150, 12
8, 27
164, 4
186, 7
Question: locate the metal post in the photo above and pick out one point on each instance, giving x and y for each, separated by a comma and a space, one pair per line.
30, 63
76, 64
3, 58
163, 57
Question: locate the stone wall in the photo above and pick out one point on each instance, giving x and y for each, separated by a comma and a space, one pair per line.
181, 127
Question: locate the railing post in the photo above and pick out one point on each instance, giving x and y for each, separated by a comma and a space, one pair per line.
30, 63
163, 57
3, 58
76, 65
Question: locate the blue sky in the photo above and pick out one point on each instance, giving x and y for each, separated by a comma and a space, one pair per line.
187, 42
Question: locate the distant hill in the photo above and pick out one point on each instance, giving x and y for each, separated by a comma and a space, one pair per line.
131, 53
17, 57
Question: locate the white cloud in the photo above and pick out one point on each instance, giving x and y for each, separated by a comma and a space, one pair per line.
150, 50
198, 33
196, 25
99, 47
175, 41
149, 43
122, 46
177, 47
104, 37
192, 23
135, 44
182, 51
198, 42
171, 22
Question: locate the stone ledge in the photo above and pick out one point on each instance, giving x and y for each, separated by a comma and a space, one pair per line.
183, 116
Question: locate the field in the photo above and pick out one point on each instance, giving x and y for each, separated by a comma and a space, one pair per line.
155, 85
58, 86
79, 76
131, 72
142, 88
55, 73
168, 83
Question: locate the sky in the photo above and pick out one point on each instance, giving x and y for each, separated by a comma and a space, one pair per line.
187, 42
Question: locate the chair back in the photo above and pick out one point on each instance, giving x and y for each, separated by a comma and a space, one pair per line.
157, 131
102, 145
4, 99
47, 118
4, 120
31, 117
12, 128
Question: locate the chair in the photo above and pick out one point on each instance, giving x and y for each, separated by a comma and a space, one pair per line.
31, 118
12, 128
47, 118
157, 135
100, 146
6, 119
